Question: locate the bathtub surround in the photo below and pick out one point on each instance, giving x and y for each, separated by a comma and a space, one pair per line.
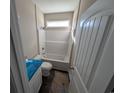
57, 38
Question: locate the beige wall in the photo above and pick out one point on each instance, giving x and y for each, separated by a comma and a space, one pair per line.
26, 18
40, 17
84, 5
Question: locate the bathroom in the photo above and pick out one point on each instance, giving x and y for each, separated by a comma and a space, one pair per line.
59, 45
46, 34
50, 35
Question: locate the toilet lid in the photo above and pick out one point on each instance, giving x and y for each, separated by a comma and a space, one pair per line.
46, 65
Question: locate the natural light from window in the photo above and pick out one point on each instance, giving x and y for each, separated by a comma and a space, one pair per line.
63, 23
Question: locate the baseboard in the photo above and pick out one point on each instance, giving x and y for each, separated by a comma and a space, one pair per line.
76, 84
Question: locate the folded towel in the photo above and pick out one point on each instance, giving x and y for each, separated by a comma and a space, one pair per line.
32, 66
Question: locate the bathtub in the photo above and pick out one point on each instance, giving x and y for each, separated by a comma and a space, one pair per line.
56, 57
59, 62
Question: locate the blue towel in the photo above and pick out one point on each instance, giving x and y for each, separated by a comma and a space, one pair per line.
31, 66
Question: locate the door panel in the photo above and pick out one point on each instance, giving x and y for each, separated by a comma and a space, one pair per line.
82, 43
92, 36
88, 68
85, 43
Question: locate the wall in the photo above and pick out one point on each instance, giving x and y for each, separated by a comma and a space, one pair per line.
27, 24
40, 17
84, 5
57, 38
41, 32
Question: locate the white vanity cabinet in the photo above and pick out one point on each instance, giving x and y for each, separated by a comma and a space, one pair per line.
36, 81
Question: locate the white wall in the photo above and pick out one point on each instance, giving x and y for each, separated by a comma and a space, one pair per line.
27, 24
41, 32
57, 38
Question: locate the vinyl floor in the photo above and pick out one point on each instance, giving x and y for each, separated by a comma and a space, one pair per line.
57, 82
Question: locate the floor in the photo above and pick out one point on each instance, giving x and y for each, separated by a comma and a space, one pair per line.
57, 82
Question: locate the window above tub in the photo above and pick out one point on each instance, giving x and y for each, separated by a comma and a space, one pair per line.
54, 24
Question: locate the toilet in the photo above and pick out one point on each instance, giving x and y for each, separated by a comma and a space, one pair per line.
46, 66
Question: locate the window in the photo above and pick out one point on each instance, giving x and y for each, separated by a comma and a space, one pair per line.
64, 23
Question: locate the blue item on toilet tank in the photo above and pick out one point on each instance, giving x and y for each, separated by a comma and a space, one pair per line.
31, 66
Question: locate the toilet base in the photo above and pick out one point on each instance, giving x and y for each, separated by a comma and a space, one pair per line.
45, 73
46, 67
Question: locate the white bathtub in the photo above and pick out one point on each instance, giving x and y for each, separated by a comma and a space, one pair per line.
59, 62
55, 57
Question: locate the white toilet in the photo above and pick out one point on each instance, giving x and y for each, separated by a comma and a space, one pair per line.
45, 66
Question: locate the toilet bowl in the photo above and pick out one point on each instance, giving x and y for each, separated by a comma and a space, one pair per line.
46, 67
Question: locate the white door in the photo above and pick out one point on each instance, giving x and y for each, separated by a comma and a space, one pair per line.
93, 67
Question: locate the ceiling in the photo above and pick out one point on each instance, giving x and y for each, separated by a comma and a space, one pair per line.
55, 6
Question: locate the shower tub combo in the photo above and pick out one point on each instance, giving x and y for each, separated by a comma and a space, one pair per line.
58, 62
